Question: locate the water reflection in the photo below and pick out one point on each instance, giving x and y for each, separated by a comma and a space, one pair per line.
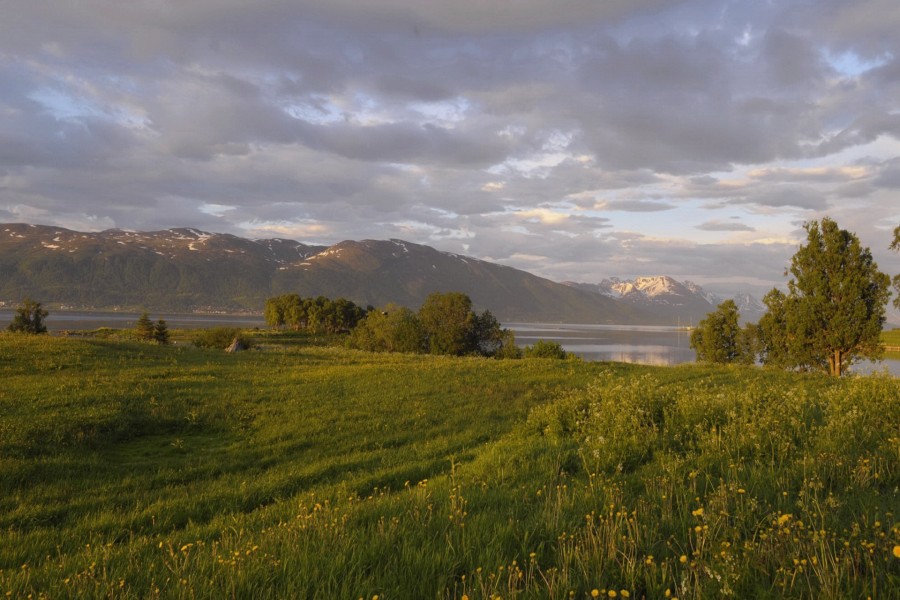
643, 344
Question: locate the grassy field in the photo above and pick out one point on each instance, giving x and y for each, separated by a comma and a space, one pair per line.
299, 470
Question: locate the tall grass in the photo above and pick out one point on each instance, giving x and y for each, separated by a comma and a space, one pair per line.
142, 471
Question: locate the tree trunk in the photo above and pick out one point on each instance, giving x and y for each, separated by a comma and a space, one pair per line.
835, 363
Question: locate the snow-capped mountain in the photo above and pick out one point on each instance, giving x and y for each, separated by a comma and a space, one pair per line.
671, 301
749, 305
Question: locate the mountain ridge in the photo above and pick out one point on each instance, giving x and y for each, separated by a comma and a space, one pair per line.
185, 269
188, 270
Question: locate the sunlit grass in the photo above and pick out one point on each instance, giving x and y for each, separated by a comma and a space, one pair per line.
132, 470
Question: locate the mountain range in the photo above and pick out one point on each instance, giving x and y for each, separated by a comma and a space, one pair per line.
187, 270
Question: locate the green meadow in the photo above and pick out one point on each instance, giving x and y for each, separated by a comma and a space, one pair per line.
301, 469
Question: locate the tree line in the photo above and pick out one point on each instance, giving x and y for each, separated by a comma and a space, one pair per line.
445, 324
831, 316
314, 315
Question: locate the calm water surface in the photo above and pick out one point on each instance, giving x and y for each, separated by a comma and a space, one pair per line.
643, 344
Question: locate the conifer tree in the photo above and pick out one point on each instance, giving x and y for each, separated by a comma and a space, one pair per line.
144, 328
161, 332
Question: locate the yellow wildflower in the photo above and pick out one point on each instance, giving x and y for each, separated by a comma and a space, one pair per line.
595, 593
896, 551
698, 512
682, 559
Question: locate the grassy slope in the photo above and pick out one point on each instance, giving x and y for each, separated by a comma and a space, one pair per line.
132, 470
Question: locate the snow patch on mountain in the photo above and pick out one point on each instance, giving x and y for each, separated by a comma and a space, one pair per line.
683, 299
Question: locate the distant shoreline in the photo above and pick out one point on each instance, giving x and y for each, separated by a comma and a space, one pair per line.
66, 320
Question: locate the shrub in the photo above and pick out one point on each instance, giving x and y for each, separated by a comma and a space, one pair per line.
29, 318
545, 349
221, 337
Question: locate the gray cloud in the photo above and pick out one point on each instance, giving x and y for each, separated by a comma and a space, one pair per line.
637, 206
890, 175
782, 196
516, 131
724, 226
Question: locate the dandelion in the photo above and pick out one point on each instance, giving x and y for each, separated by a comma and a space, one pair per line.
682, 559
896, 551
595, 593
625, 593
611, 593
784, 519
698, 512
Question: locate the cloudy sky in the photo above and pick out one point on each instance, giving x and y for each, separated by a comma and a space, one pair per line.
576, 139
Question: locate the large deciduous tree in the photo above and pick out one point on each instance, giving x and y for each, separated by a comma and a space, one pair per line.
835, 308
776, 345
391, 329
448, 322
719, 338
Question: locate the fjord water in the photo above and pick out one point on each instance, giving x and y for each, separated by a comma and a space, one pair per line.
643, 344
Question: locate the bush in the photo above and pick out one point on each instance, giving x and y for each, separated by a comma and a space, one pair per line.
29, 318
221, 337
546, 349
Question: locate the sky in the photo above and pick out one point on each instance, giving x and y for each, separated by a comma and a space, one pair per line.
575, 139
